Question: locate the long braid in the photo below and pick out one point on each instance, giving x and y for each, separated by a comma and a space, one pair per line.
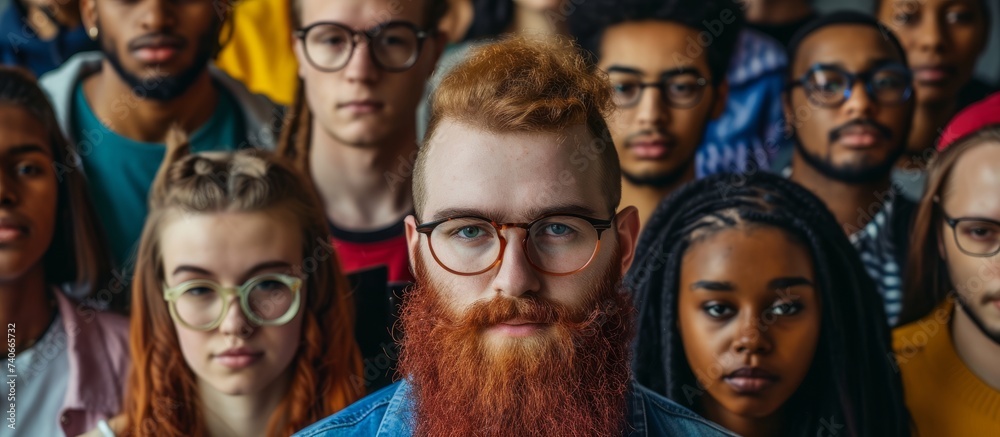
296, 135
852, 379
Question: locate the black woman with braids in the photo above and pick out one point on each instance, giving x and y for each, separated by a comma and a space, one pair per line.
755, 311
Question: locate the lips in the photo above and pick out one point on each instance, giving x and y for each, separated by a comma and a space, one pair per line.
366, 106
12, 229
518, 327
238, 358
651, 148
750, 380
933, 75
860, 136
156, 49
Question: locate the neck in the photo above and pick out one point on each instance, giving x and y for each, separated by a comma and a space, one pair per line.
24, 302
115, 103
854, 205
776, 11
979, 353
646, 197
742, 425
533, 21
366, 187
242, 415
928, 120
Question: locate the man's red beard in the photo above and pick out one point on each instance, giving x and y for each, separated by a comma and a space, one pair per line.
568, 379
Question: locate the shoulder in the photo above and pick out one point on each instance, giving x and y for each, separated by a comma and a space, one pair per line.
363, 417
668, 417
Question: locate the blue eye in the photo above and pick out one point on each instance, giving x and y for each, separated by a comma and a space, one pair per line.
470, 232
558, 229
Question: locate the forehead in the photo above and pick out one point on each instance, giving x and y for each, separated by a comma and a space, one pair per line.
748, 255
974, 183
853, 46
18, 127
511, 176
362, 14
652, 46
229, 242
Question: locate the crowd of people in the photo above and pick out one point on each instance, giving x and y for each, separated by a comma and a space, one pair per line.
498, 217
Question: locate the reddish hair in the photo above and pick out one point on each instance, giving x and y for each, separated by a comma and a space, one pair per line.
161, 396
524, 84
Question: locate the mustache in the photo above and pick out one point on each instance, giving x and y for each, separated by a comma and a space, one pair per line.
648, 133
882, 130
502, 309
159, 39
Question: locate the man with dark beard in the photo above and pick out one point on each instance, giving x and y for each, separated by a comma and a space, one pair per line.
153, 71
518, 324
849, 105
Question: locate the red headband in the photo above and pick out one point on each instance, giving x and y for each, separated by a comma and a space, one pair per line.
971, 119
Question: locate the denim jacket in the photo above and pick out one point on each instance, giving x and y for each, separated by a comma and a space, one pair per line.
388, 412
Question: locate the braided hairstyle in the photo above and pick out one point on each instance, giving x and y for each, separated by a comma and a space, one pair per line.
161, 392
853, 379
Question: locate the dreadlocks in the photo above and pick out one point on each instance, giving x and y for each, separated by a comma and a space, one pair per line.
852, 380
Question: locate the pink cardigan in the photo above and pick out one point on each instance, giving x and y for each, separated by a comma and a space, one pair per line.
98, 353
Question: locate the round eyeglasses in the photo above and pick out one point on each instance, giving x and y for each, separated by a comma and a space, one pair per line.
266, 300
830, 86
979, 237
393, 46
558, 245
678, 89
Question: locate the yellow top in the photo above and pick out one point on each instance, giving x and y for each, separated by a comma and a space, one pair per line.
260, 53
945, 398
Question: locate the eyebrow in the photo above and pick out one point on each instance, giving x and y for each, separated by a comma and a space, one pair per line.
500, 216
663, 74
266, 265
24, 149
777, 283
873, 64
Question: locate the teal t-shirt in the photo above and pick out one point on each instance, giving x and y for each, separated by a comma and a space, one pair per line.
120, 171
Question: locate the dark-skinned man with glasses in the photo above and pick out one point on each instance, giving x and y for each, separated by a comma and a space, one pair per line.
849, 105
948, 345
666, 93
518, 324
363, 65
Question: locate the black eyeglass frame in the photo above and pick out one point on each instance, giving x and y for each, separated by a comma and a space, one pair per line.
661, 85
369, 35
953, 224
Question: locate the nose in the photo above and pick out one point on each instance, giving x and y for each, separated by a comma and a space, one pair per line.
930, 38
652, 111
8, 190
234, 322
158, 16
751, 337
361, 67
516, 276
860, 104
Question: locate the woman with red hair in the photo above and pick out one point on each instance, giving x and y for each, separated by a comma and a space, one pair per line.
241, 322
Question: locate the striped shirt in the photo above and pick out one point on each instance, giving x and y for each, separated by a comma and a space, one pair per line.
883, 244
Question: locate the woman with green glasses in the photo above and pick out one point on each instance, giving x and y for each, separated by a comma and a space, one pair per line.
241, 323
